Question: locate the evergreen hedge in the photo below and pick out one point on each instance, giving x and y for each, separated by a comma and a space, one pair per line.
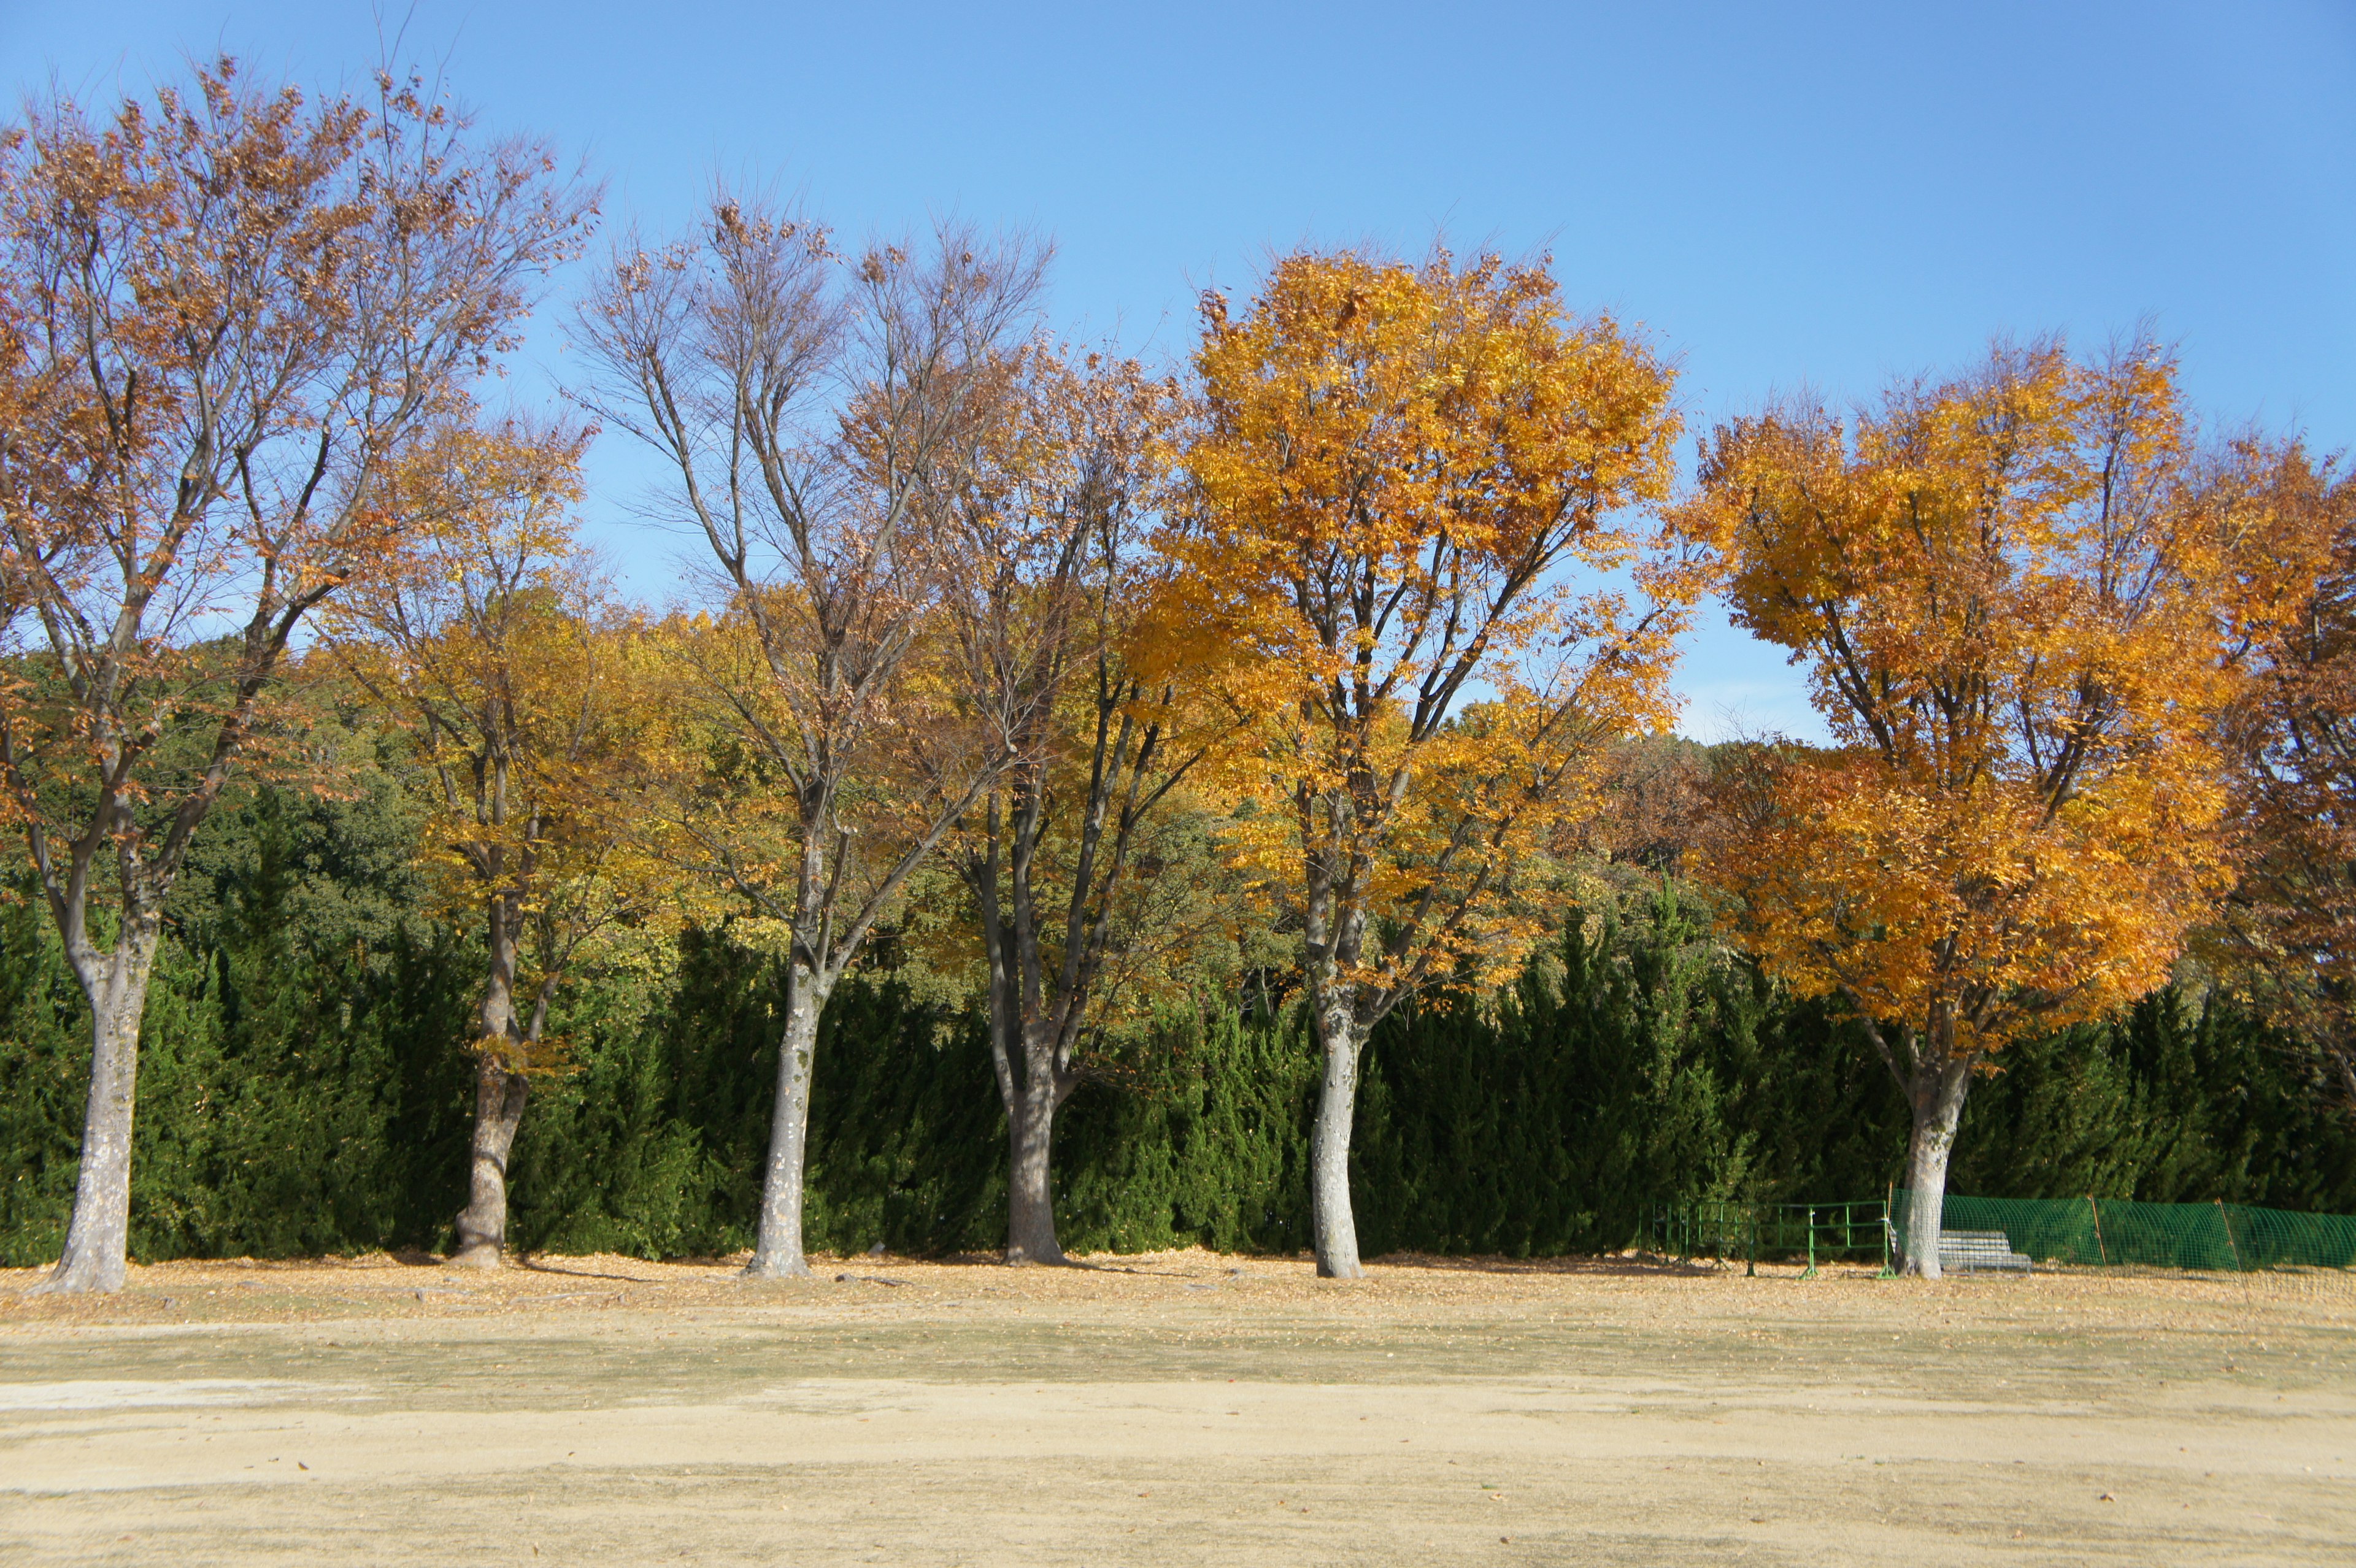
302, 1090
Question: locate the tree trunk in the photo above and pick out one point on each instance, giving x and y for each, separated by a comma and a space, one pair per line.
1329, 1149
1940, 1083
500, 1093
499, 1096
1030, 1191
98, 1237
778, 1249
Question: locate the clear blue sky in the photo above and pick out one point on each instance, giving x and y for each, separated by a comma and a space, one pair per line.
1784, 194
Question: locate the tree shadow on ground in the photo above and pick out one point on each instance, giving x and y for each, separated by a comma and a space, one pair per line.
1631, 1265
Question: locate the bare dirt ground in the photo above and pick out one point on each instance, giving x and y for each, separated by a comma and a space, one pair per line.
1175, 1409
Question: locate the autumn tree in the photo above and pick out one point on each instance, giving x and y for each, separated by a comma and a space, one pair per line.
1405, 480
1077, 888
494, 645
2020, 594
220, 313
812, 408
2288, 933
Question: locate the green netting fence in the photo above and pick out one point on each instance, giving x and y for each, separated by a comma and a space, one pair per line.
2099, 1232
2104, 1230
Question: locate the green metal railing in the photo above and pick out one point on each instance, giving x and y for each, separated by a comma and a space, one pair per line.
1856, 1228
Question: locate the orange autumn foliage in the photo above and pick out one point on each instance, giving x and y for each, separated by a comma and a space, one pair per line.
521, 684
1413, 486
2289, 938
2020, 596
223, 311
1397, 468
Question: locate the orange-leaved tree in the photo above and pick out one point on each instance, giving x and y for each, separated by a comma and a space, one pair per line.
2021, 594
494, 645
221, 314
2289, 938
1405, 481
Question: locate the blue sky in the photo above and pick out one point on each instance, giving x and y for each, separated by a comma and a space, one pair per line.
1783, 194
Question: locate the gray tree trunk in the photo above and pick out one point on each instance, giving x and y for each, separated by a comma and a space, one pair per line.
98, 1237
1029, 1194
1937, 1093
1341, 1040
499, 1096
778, 1249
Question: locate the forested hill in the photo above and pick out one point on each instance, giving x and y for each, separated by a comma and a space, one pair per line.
306, 1087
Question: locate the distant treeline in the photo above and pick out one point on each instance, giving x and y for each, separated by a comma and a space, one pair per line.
305, 1088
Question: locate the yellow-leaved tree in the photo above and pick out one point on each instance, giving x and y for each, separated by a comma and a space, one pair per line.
1408, 480
519, 680
2021, 594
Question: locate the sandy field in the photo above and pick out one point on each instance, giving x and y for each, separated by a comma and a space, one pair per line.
1180, 1408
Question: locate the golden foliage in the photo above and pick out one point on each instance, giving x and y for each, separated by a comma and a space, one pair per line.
2289, 938
2020, 595
1406, 483
523, 686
